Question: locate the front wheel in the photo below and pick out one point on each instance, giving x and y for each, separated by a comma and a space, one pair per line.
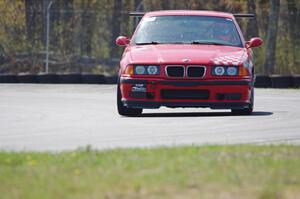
125, 111
245, 111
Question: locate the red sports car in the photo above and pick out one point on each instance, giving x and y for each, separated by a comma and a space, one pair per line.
186, 59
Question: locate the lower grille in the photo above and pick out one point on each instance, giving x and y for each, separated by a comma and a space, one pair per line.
137, 95
229, 96
184, 94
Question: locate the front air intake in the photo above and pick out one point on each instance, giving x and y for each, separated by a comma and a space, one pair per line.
184, 94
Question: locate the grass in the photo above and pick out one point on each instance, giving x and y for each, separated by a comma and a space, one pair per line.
236, 171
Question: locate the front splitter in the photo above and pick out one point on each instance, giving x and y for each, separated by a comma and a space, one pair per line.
212, 105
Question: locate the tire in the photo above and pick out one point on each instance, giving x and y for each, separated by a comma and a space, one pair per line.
245, 111
125, 111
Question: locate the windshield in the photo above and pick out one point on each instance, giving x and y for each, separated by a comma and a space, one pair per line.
187, 30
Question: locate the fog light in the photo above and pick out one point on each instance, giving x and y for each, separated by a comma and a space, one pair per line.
150, 95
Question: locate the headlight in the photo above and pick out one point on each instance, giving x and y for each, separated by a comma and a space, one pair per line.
146, 70
232, 71
152, 70
219, 70
140, 70
225, 70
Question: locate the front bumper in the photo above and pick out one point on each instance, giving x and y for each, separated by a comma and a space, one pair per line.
215, 94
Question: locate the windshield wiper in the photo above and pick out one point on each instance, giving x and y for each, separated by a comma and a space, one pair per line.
177, 42
148, 43
207, 43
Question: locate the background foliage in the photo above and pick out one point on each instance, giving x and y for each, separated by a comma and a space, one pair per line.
83, 32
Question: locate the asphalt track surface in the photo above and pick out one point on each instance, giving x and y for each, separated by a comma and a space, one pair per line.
44, 117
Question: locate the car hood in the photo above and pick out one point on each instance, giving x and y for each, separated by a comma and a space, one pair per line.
187, 53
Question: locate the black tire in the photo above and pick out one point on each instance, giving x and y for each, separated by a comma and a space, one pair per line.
125, 111
245, 111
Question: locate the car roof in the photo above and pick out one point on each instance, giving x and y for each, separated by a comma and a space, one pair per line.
189, 13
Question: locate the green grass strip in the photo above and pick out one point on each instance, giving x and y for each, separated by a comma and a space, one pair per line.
234, 171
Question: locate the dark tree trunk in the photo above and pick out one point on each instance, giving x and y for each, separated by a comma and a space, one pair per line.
68, 7
165, 4
30, 22
271, 37
86, 28
55, 15
252, 27
55, 12
263, 10
115, 27
34, 20
292, 21
68, 32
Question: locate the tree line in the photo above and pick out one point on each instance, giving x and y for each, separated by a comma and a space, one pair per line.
82, 32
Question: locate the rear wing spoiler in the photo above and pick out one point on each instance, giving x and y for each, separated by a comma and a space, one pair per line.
244, 15
141, 14
137, 14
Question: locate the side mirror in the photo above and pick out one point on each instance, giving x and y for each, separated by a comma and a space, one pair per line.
254, 42
122, 41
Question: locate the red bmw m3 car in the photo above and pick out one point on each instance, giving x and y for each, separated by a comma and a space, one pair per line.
186, 59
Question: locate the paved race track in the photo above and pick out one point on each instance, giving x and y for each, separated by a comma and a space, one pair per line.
64, 117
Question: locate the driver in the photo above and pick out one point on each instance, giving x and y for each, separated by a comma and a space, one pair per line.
222, 31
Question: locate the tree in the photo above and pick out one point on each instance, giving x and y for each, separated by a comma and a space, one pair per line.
271, 37
34, 23
166, 4
68, 33
115, 27
252, 27
86, 28
292, 21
